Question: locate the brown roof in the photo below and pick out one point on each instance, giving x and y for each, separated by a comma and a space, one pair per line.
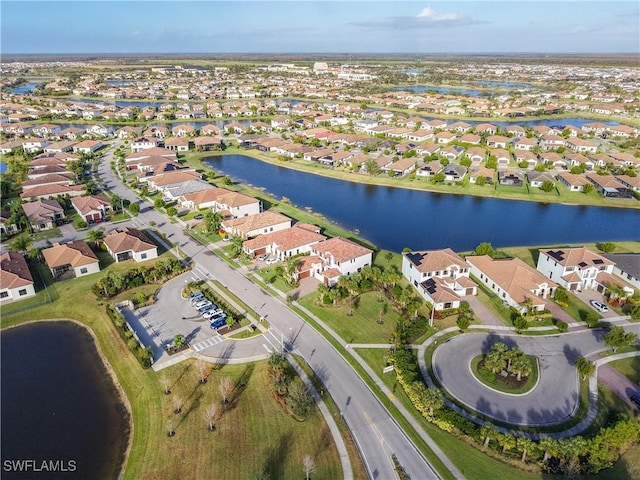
42, 210
513, 275
577, 257
172, 178
341, 249
254, 222
14, 271
127, 239
76, 254
89, 203
286, 239
435, 260
54, 189
220, 195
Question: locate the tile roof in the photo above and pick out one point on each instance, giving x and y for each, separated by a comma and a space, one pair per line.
435, 260
287, 239
42, 210
576, 257
14, 271
127, 239
341, 249
255, 222
76, 254
89, 203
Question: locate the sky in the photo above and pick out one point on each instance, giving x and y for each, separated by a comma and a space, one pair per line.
319, 26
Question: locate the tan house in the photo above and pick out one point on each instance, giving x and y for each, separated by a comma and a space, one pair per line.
253, 225
16, 281
129, 243
93, 209
76, 257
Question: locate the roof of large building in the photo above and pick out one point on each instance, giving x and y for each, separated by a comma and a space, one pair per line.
127, 239
435, 260
76, 254
627, 262
14, 271
341, 249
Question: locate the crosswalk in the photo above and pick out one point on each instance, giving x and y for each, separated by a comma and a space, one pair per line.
209, 342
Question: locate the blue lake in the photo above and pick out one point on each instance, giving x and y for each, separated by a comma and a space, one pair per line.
395, 218
27, 88
59, 403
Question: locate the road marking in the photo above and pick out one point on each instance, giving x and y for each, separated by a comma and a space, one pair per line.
374, 428
209, 342
267, 348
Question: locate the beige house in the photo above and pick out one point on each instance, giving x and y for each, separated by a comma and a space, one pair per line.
253, 225
76, 257
129, 243
16, 281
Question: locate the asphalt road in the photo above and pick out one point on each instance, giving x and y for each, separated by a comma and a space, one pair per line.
377, 435
555, 397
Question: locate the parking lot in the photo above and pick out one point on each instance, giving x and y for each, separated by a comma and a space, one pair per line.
172, 315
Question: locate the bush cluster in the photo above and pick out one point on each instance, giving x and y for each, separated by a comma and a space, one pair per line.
144, 355
288, 388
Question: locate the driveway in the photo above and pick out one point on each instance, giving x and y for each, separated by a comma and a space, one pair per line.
553, 400
618, 383
589, 294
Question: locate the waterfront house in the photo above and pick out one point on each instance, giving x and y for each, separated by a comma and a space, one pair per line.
513, 281
16, 282
627, 267
573, 182
74, 257
223, 201
609, 186
340, 257
441, 277
536, 179
510, 177
258, 224
283, 243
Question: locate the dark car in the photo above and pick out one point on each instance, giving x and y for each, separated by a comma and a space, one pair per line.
635, 398
199, 217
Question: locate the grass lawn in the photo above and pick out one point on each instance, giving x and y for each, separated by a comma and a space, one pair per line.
363, 326
268, 438
576, 308
493, 303
629, 367
270, 277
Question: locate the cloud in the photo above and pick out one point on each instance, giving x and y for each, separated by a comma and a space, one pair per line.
426, 19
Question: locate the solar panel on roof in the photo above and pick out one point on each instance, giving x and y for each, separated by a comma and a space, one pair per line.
598, 261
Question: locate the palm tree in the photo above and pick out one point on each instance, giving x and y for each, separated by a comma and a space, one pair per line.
433, 399
236, 245
488, 431
521, 366
511, 356
585, 367
323, 291
291, 269
495, 362
506, 441
21, 244
525, 445
96, 235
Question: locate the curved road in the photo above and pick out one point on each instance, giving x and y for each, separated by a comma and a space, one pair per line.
376, 433
553, 400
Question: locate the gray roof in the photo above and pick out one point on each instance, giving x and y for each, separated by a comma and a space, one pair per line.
627, 262
185, 188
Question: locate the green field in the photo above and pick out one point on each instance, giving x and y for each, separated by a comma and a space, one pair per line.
629, 367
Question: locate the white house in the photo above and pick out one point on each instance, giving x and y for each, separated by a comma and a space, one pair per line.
76, 257
627, 267
16, 281
577, 269
259, 224
513, 281
284, 243
129, 243
340, 257
441, 277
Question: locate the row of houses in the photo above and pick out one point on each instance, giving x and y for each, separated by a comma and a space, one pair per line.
443, 278
70, 260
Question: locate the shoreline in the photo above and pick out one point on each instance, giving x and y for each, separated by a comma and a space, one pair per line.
110, 371
379, 181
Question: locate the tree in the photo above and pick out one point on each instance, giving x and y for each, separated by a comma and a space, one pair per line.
585, 368
587, 188
525, 445
179, 340
463, 322
235, 243
134, 208
225, 387
506, 441
606, 247
521, 367
211, 416
433, 399
299, 399
488, 431
521, 323
176, 401
164, 381
158, 203
172, 211
547, 186
309, 466
618, 337
203, 370
212, 221
485, 248
96, 235
480, 181
438, 178
371, 167
21, 244
226, 181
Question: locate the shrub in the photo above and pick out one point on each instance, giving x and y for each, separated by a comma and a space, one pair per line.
562, 326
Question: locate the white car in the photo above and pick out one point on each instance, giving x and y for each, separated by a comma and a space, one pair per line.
264, 256
271, 260
599, 306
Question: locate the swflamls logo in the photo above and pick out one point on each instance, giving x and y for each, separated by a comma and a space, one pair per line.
31, 465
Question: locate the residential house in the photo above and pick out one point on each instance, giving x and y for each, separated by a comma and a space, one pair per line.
477, 172
510, 177
497, 141
476, 154
340, 257
183, 130
524, 143
76, 257
33, 145
401, 167
470, 138
178, 144
143, 143
43, 214
441, 277
92, 209
429, 169
580, 145
536, 179
454, 172
452, 152
16, 282
632, 183
609, 186
87, 146
283, 243
258, 224
573, 182
7, 227
513, 281
129, 243
60, 147
226, 202
627, 267
51, 190
578, 269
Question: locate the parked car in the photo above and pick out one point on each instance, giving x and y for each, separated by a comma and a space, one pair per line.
264, 256
635, 398
201, 305
198, 217
599, 306
195, 295
219, 323
211, 313
271, 260
206, 307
